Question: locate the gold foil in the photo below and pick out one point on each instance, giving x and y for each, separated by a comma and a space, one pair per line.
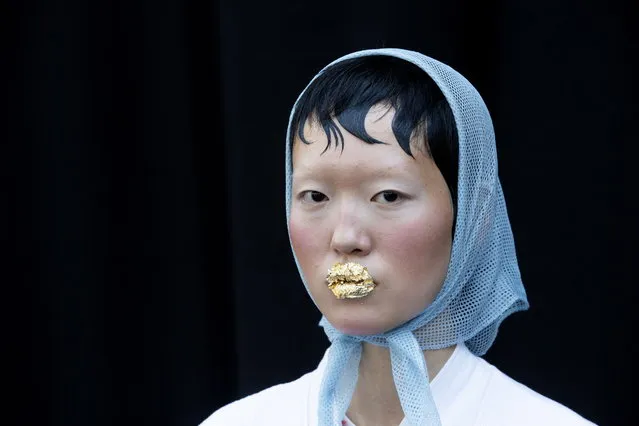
350, 281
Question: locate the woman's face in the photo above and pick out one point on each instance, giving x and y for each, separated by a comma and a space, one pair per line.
377, 206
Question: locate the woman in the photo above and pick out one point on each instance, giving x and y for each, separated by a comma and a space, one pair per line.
399, 228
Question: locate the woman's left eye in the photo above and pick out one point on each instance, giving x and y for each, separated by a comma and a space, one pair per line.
387, 197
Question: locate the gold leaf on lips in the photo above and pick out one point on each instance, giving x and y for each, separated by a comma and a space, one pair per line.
350, 280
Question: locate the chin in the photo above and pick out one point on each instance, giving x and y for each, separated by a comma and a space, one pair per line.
356, 329
358, 322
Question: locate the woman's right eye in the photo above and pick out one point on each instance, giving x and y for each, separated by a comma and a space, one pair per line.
313, 197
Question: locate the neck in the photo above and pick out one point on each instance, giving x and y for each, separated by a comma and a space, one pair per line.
375, 400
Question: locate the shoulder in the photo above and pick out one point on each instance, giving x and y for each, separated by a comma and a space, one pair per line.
508, 402
283, 404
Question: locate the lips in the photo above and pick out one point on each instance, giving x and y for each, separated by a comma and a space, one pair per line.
350, 281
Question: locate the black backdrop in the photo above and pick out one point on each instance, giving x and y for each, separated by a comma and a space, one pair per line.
146, 264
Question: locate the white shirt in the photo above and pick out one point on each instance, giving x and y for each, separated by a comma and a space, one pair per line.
468, 391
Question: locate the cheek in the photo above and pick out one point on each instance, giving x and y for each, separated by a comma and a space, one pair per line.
420, 247
306, 239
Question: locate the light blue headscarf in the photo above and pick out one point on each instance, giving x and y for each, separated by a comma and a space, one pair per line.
482, 286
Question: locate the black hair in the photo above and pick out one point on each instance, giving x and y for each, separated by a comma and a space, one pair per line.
346, 91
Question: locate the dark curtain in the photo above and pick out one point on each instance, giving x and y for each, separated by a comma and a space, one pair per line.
148, 271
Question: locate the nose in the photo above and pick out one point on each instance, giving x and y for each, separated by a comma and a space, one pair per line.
350, 236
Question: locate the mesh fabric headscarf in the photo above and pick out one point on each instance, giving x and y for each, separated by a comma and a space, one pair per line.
482, 286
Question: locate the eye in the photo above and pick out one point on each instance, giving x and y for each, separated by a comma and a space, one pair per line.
388, 197
313, 197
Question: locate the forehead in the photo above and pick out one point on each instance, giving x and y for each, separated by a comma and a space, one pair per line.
343, 146
378, 124
354, 158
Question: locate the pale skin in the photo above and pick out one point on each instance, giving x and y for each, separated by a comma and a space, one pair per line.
378, 206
